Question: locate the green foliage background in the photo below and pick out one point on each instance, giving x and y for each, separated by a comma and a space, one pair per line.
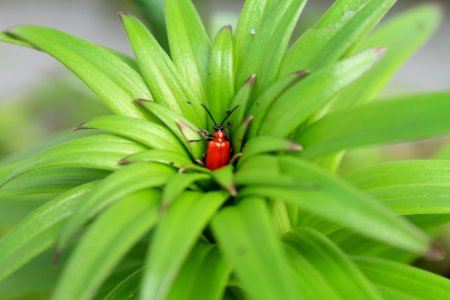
126, 211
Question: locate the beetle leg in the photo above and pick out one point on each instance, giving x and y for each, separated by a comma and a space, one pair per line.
205, 134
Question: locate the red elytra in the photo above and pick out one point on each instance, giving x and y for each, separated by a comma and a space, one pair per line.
218, 149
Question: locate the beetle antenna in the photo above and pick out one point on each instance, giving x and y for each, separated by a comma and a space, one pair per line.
209, 113
229, 114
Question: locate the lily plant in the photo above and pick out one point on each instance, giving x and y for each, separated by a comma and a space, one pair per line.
128, 210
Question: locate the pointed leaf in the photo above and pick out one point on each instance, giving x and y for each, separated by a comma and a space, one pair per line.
160, 74
331, 264
274, 91
402, 36
225, 178
8, 38
153, 12
309, 95
249, 242
105, 243
346, 23
180, 126
239, 134
402, 282
241, 100
38, 231
98, 152
203, 276
129, 179
408, 187
167, 157
189, 45
127, 288
249, 23
107, 75
265, 53
266, 144
176, 185
148, 133
168, 251
221, 75
320, 193
49, 181
400, 119
358, 245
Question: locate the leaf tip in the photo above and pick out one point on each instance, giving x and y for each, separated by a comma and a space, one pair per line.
81, 127
56, 256
251, 80
163, 208
435, 252
302, 73
248, 120
141, 101
232, 190
227, 27
379, 52
295, 147
124, 161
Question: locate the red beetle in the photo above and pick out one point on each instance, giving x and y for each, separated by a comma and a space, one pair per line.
218, 149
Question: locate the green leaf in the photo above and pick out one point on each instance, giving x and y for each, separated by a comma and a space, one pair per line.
119, 184
160, 73
408, 187
402, 282
97, 152
153, 13
225, 178
34, 281
127, 288
248, 240
50, 181
406, 118
358, 245
189, 45
221, 75
167, 157
266, 144
105, 243
203, 276
443, 153
315, 191
148, 133
333, 270
265, 52
168, 251
177, 184
310, 94
260, 107
238, 137
249, 23
346, 23
241, 100
402, 36
180, 126
7, 169
38, 231
107, 75
8, 38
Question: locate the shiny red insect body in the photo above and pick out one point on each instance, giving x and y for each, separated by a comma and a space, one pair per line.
219, 148
218, 151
